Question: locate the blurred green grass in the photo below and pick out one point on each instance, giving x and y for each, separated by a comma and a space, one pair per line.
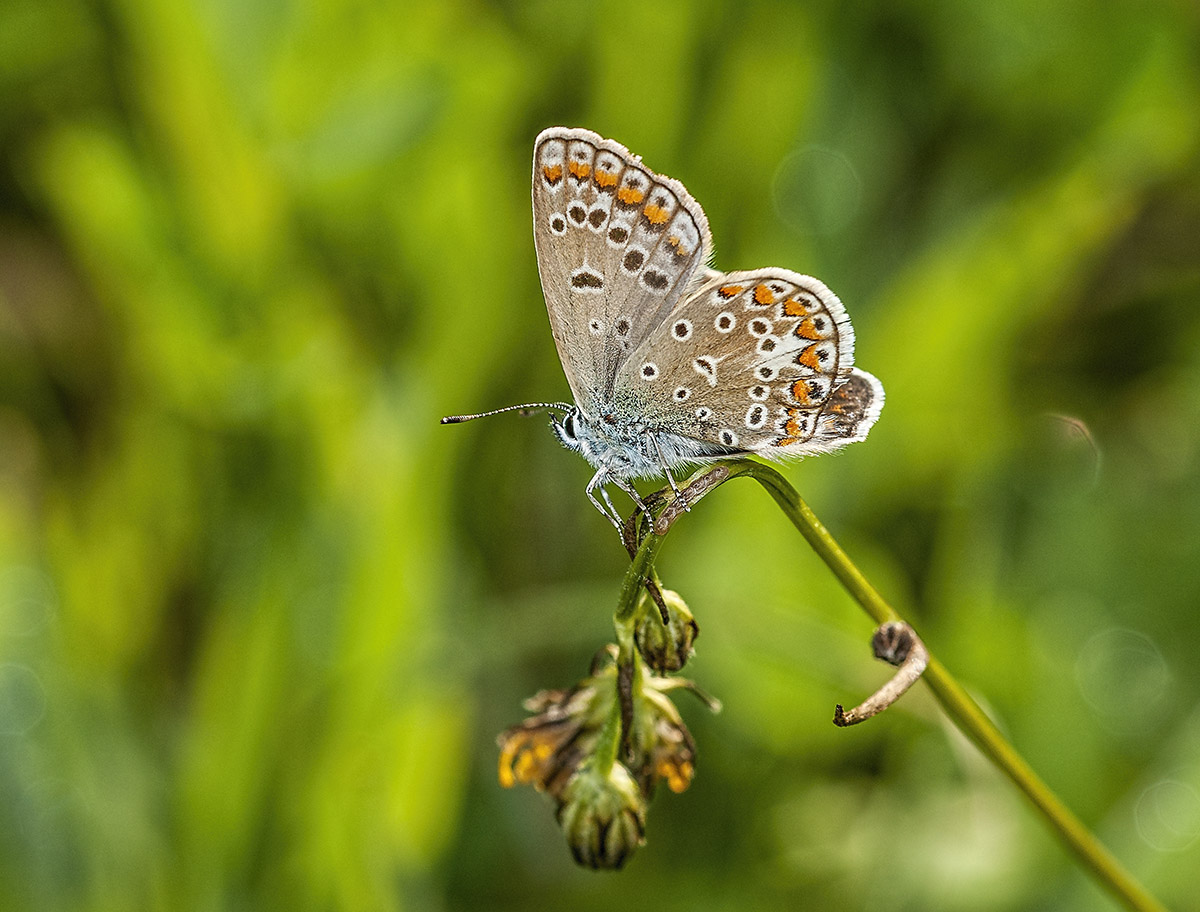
260, 617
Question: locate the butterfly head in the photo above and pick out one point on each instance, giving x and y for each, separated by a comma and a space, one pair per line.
568, 428
620, 447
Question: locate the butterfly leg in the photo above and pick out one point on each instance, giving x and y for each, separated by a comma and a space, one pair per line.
662, 461
599, 480
606, 509
613, 513
633, 494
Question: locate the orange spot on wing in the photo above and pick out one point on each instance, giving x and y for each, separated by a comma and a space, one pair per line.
553, 173
800, 392
809, 358
580, 169
806, 330
793, 308
730, 291
605, 179
655, 215
680, 250
786, 441
792, 428
630, 196
763, 295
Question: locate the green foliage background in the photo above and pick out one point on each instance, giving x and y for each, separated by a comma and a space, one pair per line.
261, 617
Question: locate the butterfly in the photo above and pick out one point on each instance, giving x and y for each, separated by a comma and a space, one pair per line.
670, 362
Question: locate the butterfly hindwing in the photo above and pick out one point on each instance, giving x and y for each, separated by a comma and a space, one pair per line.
760, 360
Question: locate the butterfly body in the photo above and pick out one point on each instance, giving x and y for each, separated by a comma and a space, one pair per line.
670, 362
626, 447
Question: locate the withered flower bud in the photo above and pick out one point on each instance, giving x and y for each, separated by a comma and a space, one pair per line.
566, 749
546, 749
665, 647
603, 816
662, 746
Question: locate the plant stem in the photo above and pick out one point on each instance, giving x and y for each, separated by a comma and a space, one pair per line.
963, 711
639, 571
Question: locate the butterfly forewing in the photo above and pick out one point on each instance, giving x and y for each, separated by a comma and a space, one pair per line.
617, 247
760, 360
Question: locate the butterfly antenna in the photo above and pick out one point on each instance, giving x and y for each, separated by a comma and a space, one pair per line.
527, 409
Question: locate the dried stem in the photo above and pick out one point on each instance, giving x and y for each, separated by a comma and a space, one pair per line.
897, 643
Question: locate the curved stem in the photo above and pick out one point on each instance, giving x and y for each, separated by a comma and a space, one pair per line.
963, 711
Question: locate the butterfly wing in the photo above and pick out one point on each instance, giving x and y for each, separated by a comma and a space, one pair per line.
759, 361
617, 247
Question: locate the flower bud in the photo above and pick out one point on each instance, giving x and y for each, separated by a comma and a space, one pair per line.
665, 647
603, 816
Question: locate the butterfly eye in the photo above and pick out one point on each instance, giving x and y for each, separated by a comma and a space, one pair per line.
568, 425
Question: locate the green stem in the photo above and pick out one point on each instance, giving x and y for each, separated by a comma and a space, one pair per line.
613, 737
639, 570
964, 712
608, 742
629, 670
